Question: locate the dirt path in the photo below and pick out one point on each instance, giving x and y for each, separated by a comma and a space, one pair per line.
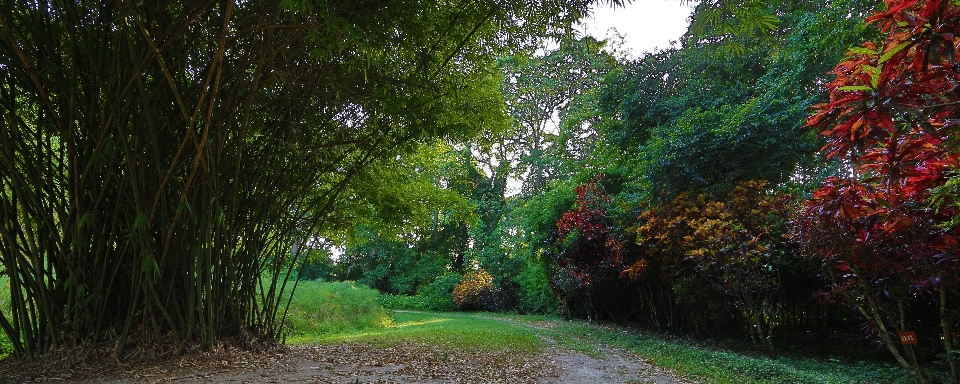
367, 363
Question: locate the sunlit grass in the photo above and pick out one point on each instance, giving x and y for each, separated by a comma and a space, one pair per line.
453, 330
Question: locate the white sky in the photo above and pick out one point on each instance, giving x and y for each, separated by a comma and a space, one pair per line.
646, 24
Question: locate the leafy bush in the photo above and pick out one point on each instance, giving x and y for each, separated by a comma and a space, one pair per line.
391, 301
319, 308
535, 295
435, 296
733, 245
476, 292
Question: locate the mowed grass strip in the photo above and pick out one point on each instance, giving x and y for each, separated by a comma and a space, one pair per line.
462, 331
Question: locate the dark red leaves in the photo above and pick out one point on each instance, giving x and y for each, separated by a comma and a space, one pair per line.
590, 251
888, 115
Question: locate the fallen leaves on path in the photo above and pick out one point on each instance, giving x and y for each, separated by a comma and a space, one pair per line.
403, 362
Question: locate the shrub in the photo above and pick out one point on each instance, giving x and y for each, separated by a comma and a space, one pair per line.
320, 308
476, 292
391, 301
436, 296
535, 295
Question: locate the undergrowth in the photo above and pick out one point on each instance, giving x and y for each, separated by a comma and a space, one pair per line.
5, 346
321, 308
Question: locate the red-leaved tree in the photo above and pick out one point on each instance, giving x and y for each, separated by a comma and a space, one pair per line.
893, 108
590, 253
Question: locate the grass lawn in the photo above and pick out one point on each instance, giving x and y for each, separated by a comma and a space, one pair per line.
454, 330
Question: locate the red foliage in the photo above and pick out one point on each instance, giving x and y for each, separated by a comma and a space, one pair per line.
890, 114
892, 110
590, 249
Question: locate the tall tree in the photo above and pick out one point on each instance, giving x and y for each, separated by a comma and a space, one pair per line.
698, 118
892, 115
550, 98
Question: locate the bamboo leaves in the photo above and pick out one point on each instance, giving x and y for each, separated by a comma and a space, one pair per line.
161, 162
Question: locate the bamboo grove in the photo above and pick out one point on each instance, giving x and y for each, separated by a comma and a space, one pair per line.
162, 162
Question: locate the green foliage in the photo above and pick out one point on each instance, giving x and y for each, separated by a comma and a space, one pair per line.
390, 266
560, 82
320, 308
535, 295
701, 119
316, 264
436, 296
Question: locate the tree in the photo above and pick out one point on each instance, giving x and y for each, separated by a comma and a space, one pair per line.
161, 159
694, 118
407, 222
890, 116
550, 98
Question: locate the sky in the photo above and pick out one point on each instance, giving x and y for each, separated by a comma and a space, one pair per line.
646, 24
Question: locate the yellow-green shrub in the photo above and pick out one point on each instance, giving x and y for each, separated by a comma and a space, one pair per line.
476, 292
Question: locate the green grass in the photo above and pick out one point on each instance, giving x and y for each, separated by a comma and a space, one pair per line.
5, 346
719, 366
453, 330
320, 308
524, 333
343, 312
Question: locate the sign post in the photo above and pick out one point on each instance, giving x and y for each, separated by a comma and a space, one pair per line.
908, 339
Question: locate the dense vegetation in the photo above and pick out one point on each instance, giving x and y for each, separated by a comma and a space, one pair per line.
165, 165
789, 168
492, 335
688, 191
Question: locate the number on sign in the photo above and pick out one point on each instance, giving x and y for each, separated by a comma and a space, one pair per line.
907, 337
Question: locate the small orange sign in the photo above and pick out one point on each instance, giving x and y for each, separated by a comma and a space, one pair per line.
907, 337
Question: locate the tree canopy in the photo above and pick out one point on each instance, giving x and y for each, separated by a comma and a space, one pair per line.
164, 161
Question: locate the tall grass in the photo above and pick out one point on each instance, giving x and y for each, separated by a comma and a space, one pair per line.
321, 308
5, 345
